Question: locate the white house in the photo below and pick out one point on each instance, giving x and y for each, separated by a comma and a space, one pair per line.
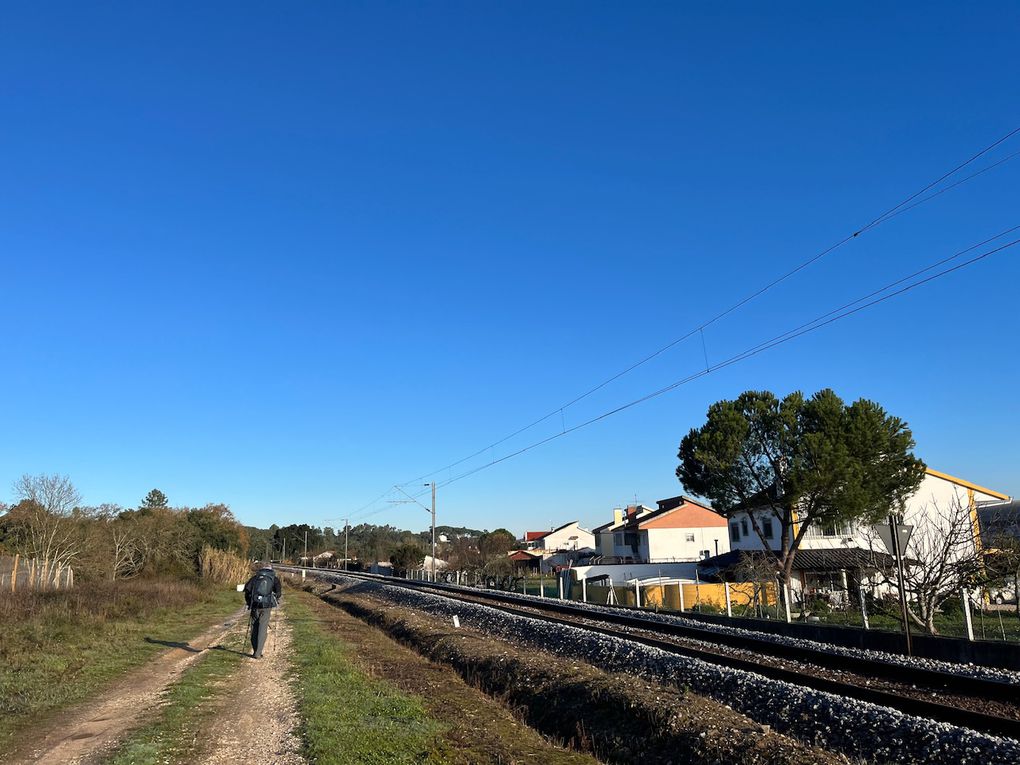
680, 529
569, 536
834, 556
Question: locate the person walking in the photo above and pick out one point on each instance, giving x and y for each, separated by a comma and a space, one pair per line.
262, 593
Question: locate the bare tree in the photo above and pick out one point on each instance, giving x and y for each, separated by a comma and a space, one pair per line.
942, 558
45, 524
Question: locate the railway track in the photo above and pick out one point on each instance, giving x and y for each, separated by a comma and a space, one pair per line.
970, 702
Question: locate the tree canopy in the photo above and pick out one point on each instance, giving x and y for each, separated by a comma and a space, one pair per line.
801, 461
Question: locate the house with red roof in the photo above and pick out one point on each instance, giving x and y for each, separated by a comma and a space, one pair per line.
680, 529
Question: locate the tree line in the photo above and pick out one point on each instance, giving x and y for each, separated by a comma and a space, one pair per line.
50, 522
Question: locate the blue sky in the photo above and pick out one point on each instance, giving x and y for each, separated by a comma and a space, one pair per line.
285, 256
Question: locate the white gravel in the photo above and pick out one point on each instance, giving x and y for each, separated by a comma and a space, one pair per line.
860, 730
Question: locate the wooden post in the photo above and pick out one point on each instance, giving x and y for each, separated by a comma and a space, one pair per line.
14, 574
31, 575
56, 578
70, 577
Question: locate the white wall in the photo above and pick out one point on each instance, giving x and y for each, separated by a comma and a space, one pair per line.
561, 539
922, 508
623, 572
672, 544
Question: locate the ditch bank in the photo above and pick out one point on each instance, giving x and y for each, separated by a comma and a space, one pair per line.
618, 718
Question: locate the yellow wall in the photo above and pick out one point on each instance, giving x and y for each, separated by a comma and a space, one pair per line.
667, 597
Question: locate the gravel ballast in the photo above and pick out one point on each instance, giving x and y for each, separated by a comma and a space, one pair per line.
858, 729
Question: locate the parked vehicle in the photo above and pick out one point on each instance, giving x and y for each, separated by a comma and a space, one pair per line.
1001, 595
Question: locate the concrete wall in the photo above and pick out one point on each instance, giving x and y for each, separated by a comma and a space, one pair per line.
620, 573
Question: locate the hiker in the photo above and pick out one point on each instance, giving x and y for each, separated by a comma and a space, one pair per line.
262, 593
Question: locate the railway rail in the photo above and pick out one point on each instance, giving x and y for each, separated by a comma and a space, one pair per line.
976, 703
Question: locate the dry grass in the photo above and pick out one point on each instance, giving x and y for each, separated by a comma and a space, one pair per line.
97, 602
222, 566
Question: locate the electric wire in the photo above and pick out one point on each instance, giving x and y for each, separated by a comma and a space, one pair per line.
909, 203
825, 319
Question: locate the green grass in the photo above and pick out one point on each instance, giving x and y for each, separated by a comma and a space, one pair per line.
62, 647
172, 737
349, 718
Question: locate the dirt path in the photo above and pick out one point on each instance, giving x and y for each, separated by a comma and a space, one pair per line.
257, 717
83, 735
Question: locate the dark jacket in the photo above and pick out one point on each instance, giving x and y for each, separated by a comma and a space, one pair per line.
249, 585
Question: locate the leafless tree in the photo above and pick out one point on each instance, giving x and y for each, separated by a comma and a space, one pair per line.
943, 557
46, 527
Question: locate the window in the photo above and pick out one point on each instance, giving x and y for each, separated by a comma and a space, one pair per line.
766, 528
743, 526
828, 529
734, 532
706, 553
689, 537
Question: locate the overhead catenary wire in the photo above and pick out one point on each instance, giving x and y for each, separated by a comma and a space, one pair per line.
823, 320
910, 202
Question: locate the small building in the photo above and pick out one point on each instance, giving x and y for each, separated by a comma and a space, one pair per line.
680, 530
525, 560
569, 536
835, 556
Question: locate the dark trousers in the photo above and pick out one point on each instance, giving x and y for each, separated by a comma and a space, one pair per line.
259, 625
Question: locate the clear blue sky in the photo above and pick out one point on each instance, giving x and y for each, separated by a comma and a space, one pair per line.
283, 256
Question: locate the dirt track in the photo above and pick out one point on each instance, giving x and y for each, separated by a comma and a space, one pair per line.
257, 717
85, 733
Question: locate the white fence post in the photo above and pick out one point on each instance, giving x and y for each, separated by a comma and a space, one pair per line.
966, 615
637, 593
559, 582
584, 589
680, 588
729, 608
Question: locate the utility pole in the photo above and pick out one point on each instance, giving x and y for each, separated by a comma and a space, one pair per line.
347, 525
306, 547
433, 485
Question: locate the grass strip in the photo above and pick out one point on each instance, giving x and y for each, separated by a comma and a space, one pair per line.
349, 718
173, 736
59, 652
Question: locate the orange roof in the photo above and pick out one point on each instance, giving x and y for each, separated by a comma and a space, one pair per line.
688, 515
533, 536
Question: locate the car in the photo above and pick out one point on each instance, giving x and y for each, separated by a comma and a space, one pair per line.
1001, 595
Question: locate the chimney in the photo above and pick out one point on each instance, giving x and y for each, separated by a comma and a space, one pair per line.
617, 515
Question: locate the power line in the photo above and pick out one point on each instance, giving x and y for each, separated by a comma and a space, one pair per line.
825, 319
906, 204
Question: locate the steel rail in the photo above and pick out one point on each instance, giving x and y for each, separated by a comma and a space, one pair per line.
933, 710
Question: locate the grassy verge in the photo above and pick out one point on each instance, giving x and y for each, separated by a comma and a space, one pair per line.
62, 647
347, 717
173, 736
